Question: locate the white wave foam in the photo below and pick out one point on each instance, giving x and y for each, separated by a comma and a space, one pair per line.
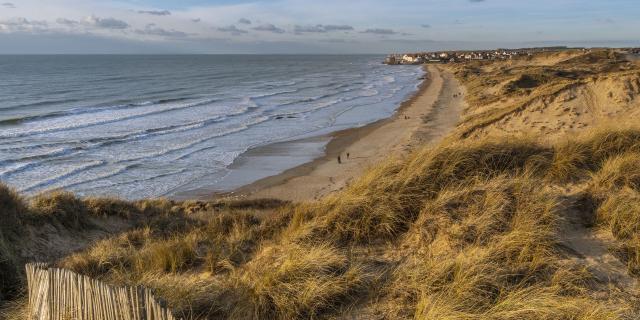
67, 173
103, 117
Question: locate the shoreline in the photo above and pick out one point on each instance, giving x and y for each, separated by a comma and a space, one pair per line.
413, 123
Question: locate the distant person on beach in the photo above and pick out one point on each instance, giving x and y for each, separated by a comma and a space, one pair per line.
339, 160
347, 155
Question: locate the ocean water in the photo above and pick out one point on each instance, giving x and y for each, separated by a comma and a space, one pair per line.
149, 126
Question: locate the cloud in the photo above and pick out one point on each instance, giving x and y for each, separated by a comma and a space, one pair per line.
233, 30
335, 40
269, 28
67, 22
380, 31
23, 25
319, 28
106, 23
309, 29
153, 30
331, 27
9, 5
587, 21
155, 12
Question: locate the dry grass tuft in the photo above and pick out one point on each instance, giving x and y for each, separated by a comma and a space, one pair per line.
292, 281
369, 210
430, 171
617, 173
61, 207
11, 209
107, 207
620, 213
483, 250
575, 159
612, 164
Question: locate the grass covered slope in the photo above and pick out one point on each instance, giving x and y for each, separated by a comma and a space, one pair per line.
482, 227
49, 226
465, 231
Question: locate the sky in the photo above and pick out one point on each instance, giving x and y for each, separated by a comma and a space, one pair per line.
310, 26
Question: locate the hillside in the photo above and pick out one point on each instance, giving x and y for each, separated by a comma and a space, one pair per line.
551, 94
528, 210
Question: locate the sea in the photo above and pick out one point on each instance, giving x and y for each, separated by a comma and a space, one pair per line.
137, 126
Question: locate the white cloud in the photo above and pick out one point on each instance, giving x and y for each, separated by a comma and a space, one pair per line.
319, 28
380, 31
153, 30
23, 25
268, 27
233, 30
309, 29
155, 12
273, 21
106, 23
343, 27
67, 22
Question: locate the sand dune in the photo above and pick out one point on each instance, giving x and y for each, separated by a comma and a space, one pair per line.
550, 95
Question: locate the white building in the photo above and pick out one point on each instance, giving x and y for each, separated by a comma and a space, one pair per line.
409, 58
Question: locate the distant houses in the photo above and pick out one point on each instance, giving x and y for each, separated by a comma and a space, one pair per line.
412, 59
462, 56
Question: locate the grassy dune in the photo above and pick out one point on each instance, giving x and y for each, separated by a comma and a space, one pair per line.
554, 94
475, 228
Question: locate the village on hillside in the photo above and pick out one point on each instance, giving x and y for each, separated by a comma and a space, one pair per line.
464, 56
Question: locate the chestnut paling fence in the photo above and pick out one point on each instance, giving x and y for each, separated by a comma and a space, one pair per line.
59, 294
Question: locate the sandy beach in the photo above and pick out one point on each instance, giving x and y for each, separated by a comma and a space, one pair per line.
423, 119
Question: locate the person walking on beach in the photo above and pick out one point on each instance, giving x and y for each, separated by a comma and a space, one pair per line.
339, 160
347, 155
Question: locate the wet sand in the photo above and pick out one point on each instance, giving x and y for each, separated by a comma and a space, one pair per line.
423, 119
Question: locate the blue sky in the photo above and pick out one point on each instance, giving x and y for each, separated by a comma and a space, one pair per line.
310, 26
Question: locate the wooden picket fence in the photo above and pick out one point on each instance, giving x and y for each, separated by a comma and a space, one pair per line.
59, 294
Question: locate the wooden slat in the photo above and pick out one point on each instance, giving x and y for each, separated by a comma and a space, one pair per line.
59, 294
